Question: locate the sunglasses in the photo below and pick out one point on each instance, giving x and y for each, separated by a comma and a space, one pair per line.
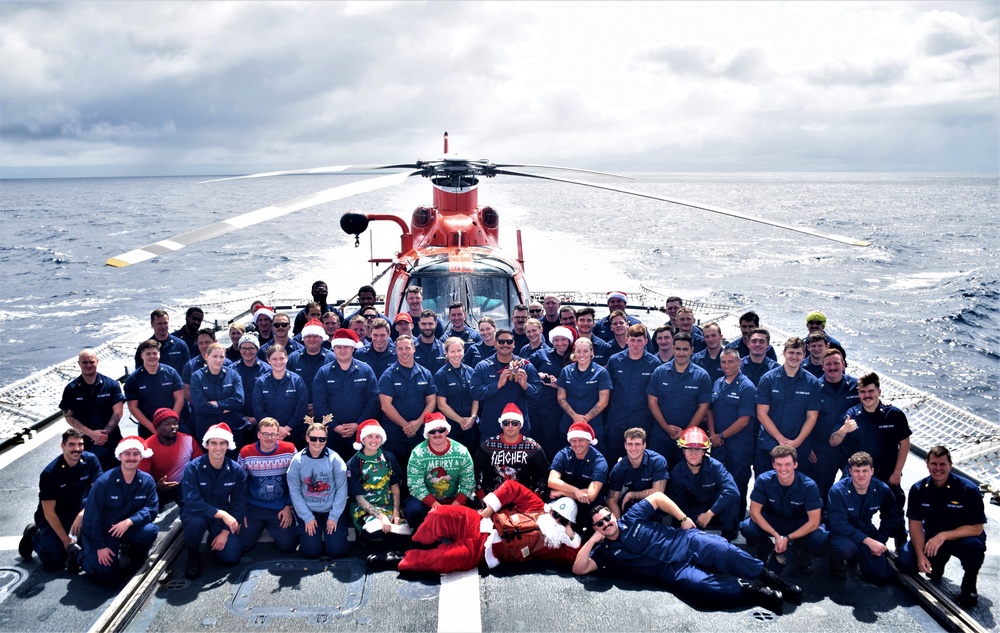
602, 521
510, 423
535, 311
437, 431
281, 325
316, 438
563, 521
506, 341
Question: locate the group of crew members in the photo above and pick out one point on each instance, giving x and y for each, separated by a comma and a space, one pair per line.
593, 443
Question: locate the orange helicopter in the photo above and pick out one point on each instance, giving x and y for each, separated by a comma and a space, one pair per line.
451, 248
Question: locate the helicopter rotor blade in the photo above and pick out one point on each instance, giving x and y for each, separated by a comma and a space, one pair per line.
582, 171
333, 169
255, 217
850, 241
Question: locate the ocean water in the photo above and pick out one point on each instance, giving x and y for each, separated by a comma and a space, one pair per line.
921, 305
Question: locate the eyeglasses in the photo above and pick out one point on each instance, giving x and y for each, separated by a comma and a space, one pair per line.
607, 518
560, 518
437, 431
506, 341
317, 438
281, 325
510, 423
268, 436
249, 348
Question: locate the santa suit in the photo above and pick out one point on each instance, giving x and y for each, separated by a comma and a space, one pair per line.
475, 539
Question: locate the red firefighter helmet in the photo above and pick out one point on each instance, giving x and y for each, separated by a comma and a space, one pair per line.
694, 437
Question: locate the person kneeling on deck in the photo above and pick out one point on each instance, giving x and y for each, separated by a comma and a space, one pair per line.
515, 526
62, 491
697, 565
853, 501
172, 452
215, 501
373, 478
440, 472
947, 518
269, 505
317, 482
118, 528
702, 487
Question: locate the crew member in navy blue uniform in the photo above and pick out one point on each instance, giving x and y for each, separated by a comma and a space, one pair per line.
189, 331
118, 518
500, 380
250, 368
459, 328
701, 566
757, 363
478, 352
584, 390
617, 300
788, 401
380, 354
686, 325
729, 428
585, 329
406, 392
215, 501
662, 345
308, 361
62, 489
217, 396
347, 389
205, 338
454, 395
816, 346
282, 327
429, 350
320, 293
518, 321
544, 405
749, 321
153, 386
630, 372
282, 395
852, 503
708, 358
816, 322
702, 486
679, 394
785, 505
366, 299
536, 339
414, 298
579, 471
947, 518
840, 393
173, 351
93, 404
639, 474
883, 432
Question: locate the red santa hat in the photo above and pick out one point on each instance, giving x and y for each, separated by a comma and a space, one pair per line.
617, 294
511, 412
564, 331
366, 428
130, 442
582, 430
267, 311
435, 421
220, 431
343, 336
314, 326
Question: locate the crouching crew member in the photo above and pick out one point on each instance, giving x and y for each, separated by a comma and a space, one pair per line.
215, 501
785, 505
373, 478
440, 472
698, 565
317, 482
947, 518
853, 501
579, 471
522, 528
701, 486
639, 475
268, 503
118, 528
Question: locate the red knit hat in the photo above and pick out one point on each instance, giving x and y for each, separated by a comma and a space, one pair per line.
162, 415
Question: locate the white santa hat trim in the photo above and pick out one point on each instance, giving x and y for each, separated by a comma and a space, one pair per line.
563, 331
130, 442
511, 412
583, 431
343, 336
314, 327
493, 501
617, 294
219, 431
267, 311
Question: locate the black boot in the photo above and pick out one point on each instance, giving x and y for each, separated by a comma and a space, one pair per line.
384, 560
192, 569
838, 567
73, 554
26, 546
770, 599
790, 592
969, 596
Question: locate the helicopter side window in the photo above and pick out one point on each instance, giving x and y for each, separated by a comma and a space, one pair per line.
483, 295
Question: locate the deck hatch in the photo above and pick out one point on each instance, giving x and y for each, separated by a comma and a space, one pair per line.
314, 590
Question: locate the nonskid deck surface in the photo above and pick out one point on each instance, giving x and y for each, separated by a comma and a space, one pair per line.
271, 591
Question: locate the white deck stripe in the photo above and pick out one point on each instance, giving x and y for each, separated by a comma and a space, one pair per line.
9, 543
458, 603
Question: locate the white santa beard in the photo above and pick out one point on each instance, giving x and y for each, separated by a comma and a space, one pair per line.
555, 534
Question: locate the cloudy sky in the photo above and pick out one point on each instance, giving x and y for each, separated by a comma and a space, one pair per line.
150, 88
